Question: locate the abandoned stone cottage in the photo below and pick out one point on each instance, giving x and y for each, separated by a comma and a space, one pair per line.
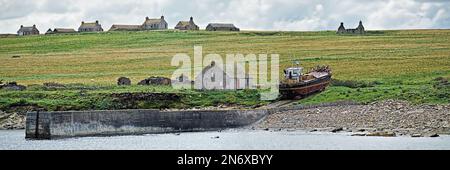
154, 24
221, 27
90, 27
187, 25
214, 77
60, 31
359, 30
27, 30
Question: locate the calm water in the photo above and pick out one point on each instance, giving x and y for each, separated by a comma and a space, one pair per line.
227, 140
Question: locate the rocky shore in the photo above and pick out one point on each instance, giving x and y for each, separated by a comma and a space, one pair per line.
11, 121
384, 118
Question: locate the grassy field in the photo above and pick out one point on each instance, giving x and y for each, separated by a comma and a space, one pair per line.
396, 64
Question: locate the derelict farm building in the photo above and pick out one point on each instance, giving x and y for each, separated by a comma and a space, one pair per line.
60, 31
187, 25
27, 30
116, 27
90, 27
359, 30
221, 27
154, 24
214, 77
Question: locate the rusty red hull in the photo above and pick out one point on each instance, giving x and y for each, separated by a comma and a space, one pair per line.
303, 89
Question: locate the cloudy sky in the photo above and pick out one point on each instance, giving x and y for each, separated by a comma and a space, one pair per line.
302, 15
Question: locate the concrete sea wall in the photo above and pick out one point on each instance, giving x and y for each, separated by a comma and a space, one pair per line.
50, 125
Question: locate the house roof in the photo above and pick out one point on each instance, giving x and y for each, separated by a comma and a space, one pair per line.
341, 26
183, 23
125, 27
211, 66
27, 29
64, 30
149, 21
89, 24
360, 26
222, 25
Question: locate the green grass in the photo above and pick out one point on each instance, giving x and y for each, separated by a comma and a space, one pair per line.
403, 64
78, 97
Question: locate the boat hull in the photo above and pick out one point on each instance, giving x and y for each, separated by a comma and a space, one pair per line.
303, 89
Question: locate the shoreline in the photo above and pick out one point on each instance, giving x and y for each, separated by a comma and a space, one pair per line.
388, 118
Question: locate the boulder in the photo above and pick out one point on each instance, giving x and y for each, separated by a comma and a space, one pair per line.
432, 135
382, 134
359, 134
163, 81
337, 129
123, 81
13, 86
416, 135
361, 130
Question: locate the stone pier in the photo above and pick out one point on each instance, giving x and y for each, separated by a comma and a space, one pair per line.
51, 125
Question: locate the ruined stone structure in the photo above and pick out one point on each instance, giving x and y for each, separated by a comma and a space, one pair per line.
212, 77
221, 27
359, 30
123, 81
162, 81
12, 86
187, 25
125, 27
90, 27
28, 30
60, 31
155, 24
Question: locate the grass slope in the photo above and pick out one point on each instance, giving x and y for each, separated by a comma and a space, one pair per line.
403, 64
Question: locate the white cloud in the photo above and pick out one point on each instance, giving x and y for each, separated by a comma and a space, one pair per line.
246, 14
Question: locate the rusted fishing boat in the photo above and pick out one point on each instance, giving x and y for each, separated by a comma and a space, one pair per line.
299, 85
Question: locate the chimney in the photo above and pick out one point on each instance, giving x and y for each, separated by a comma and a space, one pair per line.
96, 21
34, 25
146, 18
342, 24
192, 19
162, 17
21, 26
82, 22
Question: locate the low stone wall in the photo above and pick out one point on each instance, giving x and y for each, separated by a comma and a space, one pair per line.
50, 125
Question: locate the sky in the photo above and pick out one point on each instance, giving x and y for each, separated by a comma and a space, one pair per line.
286, 15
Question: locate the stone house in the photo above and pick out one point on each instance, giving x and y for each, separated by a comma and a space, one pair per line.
60, 31
221, 27
212, 77
90, 27
187, 25
155, 24
125, 27
28, 30
359, 30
